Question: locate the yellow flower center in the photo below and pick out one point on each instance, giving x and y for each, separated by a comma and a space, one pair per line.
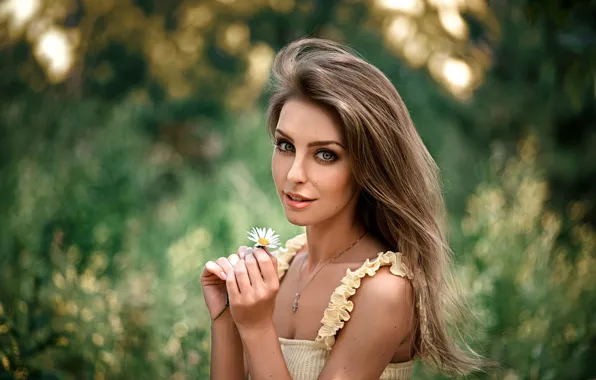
263, 241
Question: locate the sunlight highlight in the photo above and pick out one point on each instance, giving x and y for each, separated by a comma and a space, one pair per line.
416, 51
413, 7
236, 38
457, 73
400, 29
260, 58
55, 51
453, 23
447, 4
19, 11
198, 16
454, 73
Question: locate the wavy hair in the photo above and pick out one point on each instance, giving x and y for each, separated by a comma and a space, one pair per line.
401, 201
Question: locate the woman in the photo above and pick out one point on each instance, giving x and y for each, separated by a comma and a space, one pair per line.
365, 290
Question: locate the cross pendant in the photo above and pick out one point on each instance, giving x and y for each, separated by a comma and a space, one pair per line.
295, 303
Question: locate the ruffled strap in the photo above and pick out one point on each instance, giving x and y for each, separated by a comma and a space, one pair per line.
338, 311
286, 253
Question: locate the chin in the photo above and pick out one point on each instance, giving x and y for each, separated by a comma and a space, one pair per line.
298, 220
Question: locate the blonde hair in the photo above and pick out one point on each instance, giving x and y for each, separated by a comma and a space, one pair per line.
401, 201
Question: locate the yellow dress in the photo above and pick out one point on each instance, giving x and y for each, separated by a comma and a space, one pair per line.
305, 359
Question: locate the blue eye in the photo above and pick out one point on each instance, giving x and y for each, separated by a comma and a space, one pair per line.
326, 156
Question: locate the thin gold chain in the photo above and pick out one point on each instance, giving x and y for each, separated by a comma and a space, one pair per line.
298, 292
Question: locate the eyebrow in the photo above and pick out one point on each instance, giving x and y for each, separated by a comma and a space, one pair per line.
314, 143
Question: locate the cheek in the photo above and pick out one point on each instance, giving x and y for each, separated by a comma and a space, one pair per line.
336, 183
278, 171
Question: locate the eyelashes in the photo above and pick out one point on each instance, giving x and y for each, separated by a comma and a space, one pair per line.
283, 146
324, 156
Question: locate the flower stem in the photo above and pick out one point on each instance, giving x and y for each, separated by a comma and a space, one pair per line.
224, 309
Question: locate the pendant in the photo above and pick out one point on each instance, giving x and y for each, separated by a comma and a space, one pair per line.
295, 303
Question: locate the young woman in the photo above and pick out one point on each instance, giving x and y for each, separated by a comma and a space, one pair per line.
366, 290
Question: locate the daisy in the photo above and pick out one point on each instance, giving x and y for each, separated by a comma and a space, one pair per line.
264, 237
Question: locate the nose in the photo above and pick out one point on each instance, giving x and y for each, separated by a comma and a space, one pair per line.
297, 173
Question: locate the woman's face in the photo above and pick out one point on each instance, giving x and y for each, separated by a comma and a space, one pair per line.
310, 165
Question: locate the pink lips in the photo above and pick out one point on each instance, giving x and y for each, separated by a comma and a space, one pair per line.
298, 205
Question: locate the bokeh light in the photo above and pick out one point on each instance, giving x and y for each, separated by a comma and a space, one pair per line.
453, 23
457, 73
19, 12
55, 52
412, 7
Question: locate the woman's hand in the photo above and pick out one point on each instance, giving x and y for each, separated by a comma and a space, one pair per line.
213, 281
252, 288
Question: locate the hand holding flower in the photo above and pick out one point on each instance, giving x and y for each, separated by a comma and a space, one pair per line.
215, 274
252, 288
213, 282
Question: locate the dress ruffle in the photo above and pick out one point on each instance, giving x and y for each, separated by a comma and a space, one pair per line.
340, 306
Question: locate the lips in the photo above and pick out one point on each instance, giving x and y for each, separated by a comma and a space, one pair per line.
296, 201
298, 198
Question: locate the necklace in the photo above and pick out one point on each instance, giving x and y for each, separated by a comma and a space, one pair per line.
299, 291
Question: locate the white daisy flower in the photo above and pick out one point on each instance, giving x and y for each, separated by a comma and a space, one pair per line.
264, 237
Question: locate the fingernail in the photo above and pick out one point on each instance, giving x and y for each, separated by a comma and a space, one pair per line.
225, 277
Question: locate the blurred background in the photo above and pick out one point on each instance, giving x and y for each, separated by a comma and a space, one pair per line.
133, 149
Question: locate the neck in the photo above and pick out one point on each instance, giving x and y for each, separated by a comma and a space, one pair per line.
326, 241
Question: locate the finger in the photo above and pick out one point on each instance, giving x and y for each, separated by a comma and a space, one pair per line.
226, 265
232, 288
241, 274
216, 270
273, 257
233, 259
254, 272
267, 266
242, 250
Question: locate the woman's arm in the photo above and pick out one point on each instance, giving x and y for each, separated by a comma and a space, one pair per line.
252, 288
227, 353
380, 326
264, 354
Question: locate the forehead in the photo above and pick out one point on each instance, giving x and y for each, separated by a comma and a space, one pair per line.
307, 121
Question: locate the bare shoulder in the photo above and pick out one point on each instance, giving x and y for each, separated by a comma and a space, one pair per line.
385, 293
379, 330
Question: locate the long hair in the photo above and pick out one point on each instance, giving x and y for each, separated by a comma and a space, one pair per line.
401, 200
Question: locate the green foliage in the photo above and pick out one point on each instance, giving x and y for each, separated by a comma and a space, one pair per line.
107, 232
530, 285
150, 157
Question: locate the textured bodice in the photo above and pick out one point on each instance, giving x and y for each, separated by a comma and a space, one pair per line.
305, 359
